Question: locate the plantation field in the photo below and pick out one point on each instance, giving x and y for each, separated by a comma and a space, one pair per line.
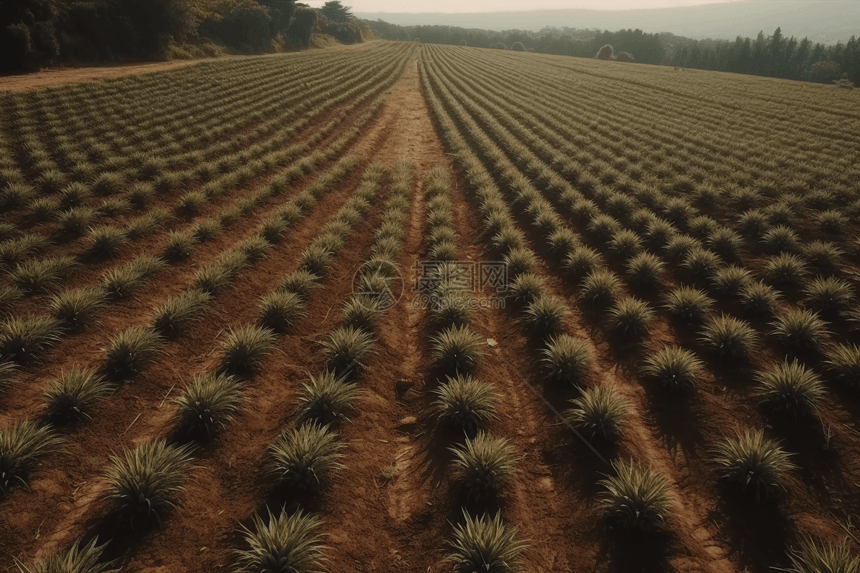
408, 307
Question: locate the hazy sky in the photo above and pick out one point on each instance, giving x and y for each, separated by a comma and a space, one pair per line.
453, 6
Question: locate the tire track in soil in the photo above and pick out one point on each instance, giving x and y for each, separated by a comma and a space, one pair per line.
114, 415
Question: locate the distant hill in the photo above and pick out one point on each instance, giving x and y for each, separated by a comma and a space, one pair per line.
822, 21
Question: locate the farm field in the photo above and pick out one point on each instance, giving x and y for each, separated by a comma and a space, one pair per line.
397, 297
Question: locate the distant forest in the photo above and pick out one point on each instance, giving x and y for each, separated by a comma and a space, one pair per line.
772, 56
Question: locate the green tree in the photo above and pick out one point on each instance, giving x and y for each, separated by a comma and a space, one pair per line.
335, 11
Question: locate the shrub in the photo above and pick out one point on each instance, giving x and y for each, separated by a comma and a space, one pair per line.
121, 282
603, 227
44, 208
190, 202
218, 275
829, 296
457, 348
786, 269
730, 337
599, 413
107, 183
600, 287
206, 230
6, 371
255, 248
280, 310
305, 456
844, 362
781, 239
730, 280
465, 402
526, 288
450, 309
129, 351
179, 244
40, 275
14, 251
823, 257
288, 543
299, 282
15, 195
326, 398
753, 224
508, 238
75, 221
673, 367
799, 329
605, 53
244, 349
544, 315
316, 259
792, 388
21, 446
76, 559
834, 558
645, 270
178, 311
832, 222
758, 299
519, 261
567, 359
659, 232
562, 241
485, 544
361, 311
753, 461
701, 262
580, 261
141, 194
106, 241
630, 317
679, 247
207, 404
9, 295
625, 244
144, 480
21, 339
703, 227
75, 307
71, 395
636, 496
483, 464
345, 348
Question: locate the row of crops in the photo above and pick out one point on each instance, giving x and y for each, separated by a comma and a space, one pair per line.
712, 241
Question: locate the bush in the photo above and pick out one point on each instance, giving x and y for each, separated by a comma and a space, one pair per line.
829, 296
457, 349
758, 299
630, 317
844, 362
76, 559
21, 446
625, 244
21, 339
786, 270
180, 310
799, 330
75, 307
41, 275
483, 464
145, 480
486, 544
345, 348
519, 261
305, 456
781, 239
701, 262
834, 558
753, 461
645, 270
300, 282
526, 288
605, 53
581, 261
129, 351
287, 543
544, 315
207, 404
636, 496
600, 287
121, 282
791, 388
689, 304
70, 396
730, 337
674, 368
465, 402
245, 348
280, 310
728, 281
599, 413
326, 398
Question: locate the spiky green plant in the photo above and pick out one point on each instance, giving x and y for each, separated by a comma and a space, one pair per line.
831, 558
603, 227
679, 247
519, 261
75, 221
7, 369
288, 544
630, 317
465, 402
129, 351
725, 242
106, 241
566, 359
758, 298
190, 202
625, 244
829, 296
485, 544
799, 329
636, 496
255, 247
599, 413
22, 339
823, 257
581, 261
600, 287
41, 275
457, 348
843, 361
70, 396
280, 310
141, 194
450, 309
673, 367
752, 460
21, 446
51, 181
316, 259
121, 282
786, 269
144, 481
179, 244
832, 222
76, 307
301, 282
792, 388
326, 398
730, 337
361, 311
645, 270
206, 230
245, 348
702, 263
207, 404
218, 275
180, 310
76, 559
305, 456
107, 183
526, 288
562, 241
9, 295
508, 238
728, 281
44, 208
483, 464
659, 232
545, 315
14, 251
